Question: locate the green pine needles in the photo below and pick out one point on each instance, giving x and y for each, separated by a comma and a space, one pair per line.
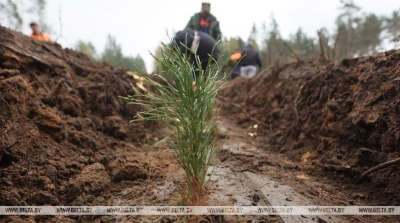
187, 109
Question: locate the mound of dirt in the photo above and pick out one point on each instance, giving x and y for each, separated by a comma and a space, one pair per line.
64, 131
339, 118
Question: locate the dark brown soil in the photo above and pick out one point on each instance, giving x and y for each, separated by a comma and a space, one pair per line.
65, 137
336, 119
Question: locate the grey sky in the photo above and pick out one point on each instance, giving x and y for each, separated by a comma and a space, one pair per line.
140, 25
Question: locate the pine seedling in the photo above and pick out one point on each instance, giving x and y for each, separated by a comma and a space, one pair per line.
187, 109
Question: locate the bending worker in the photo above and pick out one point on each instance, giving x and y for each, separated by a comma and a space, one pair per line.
199, 42
250, 59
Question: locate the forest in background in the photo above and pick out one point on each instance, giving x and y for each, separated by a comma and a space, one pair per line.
356, 33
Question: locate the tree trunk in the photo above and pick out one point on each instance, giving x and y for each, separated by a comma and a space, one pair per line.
349, 37
273, 50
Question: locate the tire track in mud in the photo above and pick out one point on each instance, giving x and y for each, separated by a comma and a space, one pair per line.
252, 189
245, 175
236, 181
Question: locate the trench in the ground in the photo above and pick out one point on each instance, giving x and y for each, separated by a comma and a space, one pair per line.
244, 175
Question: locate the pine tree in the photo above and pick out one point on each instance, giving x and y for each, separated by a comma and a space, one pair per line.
393, 28
346, 22
369, 29
10, 11
114, 56
253, 34
86, 48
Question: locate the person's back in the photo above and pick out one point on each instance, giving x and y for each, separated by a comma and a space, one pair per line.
204, 48
206, 22
41, 36
250, 59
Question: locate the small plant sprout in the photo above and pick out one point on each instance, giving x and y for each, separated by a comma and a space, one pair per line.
187, 109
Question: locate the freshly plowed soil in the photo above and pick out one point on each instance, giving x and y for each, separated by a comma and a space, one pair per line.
65, 136
339, 119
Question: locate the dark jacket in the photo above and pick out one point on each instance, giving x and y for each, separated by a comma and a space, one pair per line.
250, 57
204, 49
214, 30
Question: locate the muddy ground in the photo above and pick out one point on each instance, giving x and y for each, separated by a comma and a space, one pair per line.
310, 127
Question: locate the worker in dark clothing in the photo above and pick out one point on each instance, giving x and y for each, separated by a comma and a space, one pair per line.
250, 59
204, 21
199, 43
